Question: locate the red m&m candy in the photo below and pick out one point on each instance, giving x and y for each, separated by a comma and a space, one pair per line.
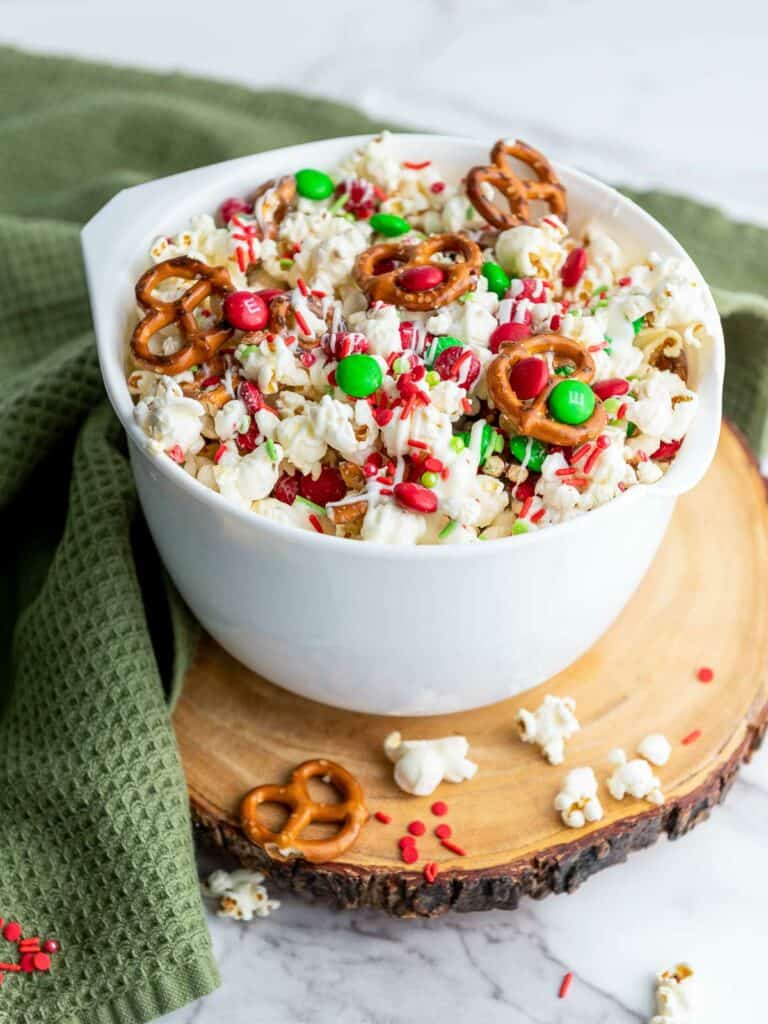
421, 279
529, 377
246, 311
329, 486
415, 498
509, 332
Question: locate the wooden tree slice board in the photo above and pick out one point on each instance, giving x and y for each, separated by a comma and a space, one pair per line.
704, 602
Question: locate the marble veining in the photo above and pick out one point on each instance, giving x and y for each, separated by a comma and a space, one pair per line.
658, 95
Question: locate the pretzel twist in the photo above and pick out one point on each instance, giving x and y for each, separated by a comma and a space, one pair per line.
350, 814
385, 287
518, 191
532, 418
277, 194
199, 344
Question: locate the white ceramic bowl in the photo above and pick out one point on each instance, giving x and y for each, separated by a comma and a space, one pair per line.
378, 628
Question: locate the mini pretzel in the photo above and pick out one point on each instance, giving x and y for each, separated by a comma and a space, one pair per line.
459, 277
351, 814
531, 418
274, 210
199, 344
516, 190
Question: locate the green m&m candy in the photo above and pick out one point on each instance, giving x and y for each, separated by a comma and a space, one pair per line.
518, 445
490, 442
496, 276
388, 224
571, 401
440, 345
358, 375
312, 184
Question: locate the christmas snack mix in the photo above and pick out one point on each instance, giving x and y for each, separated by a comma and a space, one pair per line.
381, 354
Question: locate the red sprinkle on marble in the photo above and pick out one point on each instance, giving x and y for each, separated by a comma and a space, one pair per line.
42, 962
691, 737
705, 675
382, 817
405, 841
439, 808
565, 984
27, 963
430, 871
443, 831
454, 847
315, 522
12, 931
417, 828
409, 854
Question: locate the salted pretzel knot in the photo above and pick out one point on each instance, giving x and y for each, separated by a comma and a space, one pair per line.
518, 191
532, 417
350, 814
387, 287
198, 343
276, 196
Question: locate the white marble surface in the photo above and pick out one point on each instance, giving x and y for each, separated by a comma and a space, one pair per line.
663, 94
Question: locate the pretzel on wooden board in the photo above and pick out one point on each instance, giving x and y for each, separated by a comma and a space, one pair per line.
350, 813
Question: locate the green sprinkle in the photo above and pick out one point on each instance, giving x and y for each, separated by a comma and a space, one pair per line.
564, 371
245, 352
631, 430
310, 504
402, 365
448, 529
600, 289
608, 350
470, 212
457, 443
602, 304
519, 526
429, 479
339, 203
466, 296
194, 369
638, 325
285, 264
350, 217
271, 450
611, 405
433, 378
498, 442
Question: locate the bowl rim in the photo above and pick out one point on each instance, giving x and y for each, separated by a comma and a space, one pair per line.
112, 365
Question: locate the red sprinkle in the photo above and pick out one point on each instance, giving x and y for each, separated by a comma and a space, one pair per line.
443, 831
382, 817
554, 323
705, 675
27, 963
418, 444
315, 522
417, 828
437, 187
538, 515
405, 841
454, 847
430, 871
12, 931
666, 449
439, 808
624, 282
590, 463
409, 854
622, 411
526, 507
691, 737
579, 453
416, 167
302, 286
41, 962
565, 984
302, 323
603, 442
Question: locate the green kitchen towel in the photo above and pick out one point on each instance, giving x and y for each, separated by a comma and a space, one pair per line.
95, 845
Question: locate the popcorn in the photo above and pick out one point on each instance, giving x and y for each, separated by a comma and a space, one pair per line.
655, 748
578, 802
527, 251
549, 726
250, 478
675, 996
170, 419
633, 778
241, 894
421, 765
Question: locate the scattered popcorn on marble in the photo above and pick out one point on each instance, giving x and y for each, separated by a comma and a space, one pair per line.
421, 765
675, 996
577, 801
241, 894
655, 748
435, 465
549, 726
633, 778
